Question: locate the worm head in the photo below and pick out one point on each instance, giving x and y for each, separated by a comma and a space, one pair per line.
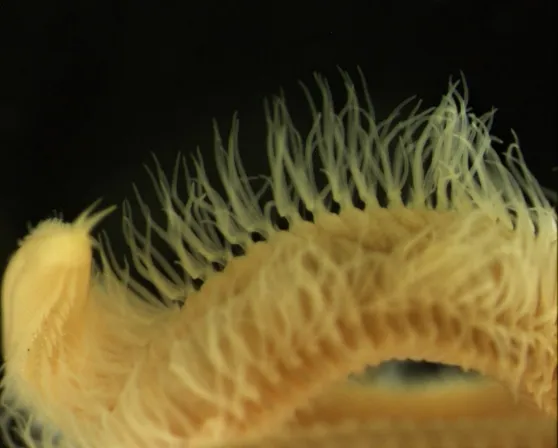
46, 278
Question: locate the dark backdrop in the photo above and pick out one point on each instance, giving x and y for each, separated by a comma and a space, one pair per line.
89, 88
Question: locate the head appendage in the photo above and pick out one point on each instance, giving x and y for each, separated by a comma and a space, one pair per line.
90, 218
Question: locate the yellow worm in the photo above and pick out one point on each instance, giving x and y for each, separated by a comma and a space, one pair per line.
408, 238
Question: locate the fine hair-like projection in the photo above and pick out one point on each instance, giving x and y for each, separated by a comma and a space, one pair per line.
422, 243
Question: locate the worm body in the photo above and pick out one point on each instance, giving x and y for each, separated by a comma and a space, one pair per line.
439, 249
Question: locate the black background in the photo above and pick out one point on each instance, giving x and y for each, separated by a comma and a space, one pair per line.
89, 88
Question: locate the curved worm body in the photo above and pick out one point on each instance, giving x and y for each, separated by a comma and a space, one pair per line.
439, 250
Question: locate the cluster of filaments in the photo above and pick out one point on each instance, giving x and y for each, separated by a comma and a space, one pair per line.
440, 158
